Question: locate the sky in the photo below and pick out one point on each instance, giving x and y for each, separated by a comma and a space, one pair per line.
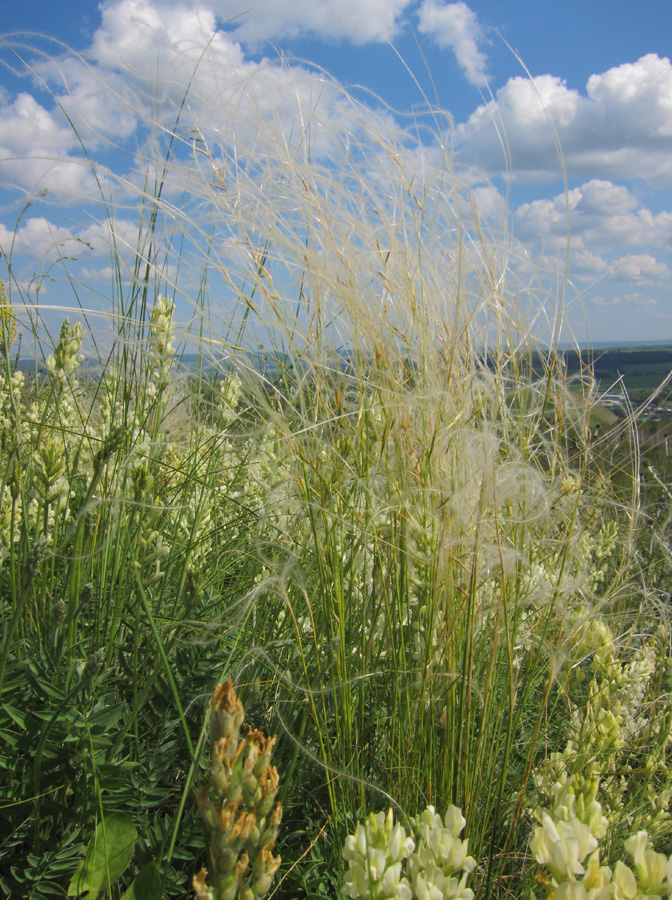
518, 79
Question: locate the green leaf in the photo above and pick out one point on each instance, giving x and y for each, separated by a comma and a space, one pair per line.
107, 856
146, 885
107, 716
21, 718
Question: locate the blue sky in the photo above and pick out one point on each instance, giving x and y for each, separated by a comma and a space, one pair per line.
601, 73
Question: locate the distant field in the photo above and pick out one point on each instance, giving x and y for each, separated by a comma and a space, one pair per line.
642, 368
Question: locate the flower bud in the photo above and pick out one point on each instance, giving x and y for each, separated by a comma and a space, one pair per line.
228, 712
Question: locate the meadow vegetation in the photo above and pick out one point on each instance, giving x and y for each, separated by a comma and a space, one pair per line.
394, 533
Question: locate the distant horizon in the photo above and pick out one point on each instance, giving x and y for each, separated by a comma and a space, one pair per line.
266, 355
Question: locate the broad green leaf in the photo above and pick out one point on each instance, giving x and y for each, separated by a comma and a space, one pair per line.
107, 856
146, 884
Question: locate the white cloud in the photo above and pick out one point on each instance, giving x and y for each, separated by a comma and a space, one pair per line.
456, 27
603, 219
622, 128
358, 21
35, 150
640, 267
488, 202
160, 57
587, 264
26, 122
138, 35
546, 218
147, 60
636, 300
37, 237
603, 198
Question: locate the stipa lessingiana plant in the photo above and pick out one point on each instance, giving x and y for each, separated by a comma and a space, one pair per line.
238, 806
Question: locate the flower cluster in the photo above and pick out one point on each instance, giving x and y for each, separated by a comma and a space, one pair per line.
569, 851
66, 356
229, 395
385, 863
238, 806
161, 350
440, 857
375, 853
612, 729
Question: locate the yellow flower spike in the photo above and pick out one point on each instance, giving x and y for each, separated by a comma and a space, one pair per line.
240, 835
454, 820
251, 757
597, 879
270, 834
242, 827
655, 871
219, 749
209, 813
242, 866
269, 781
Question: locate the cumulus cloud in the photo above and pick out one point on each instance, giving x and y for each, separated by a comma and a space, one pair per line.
640, 267
37, 237
488, 202
139, 35
606, 222
621, 127
358, 21
602, 198
587, 264
148, 62
36, 150
603, 219
456, 27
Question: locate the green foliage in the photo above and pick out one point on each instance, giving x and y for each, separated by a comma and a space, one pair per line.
107, 857
146, 885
